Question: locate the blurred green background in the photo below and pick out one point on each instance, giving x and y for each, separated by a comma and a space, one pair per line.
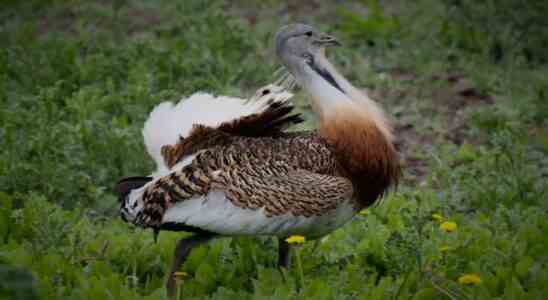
464, 82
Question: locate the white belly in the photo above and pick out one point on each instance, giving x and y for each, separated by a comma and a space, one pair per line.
217, 214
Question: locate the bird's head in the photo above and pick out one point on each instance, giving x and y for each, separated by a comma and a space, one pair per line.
301, 47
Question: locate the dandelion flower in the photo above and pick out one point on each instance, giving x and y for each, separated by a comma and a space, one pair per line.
437, 217
470, 278
448, 226
444, 248
295, 239
364, 212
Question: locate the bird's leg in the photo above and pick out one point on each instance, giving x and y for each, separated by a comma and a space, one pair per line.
184, 246
284, 254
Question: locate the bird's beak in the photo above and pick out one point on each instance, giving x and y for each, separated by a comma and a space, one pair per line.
327, 40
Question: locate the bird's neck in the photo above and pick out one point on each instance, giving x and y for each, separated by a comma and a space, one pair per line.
356, 127
331, 93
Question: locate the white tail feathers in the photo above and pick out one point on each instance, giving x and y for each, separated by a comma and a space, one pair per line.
168, 121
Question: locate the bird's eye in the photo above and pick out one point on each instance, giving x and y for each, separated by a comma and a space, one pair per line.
266, 92
308, 33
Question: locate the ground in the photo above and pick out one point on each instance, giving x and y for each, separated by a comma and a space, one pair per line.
464, 83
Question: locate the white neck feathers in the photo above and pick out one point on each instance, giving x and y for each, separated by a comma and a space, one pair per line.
328, 100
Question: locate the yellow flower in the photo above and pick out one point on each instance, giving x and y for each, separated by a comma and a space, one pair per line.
364, 212
448, 226
181, 275
295, 239
470, 278
444, 248
437, 217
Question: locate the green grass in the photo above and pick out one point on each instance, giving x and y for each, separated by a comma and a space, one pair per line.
466, 90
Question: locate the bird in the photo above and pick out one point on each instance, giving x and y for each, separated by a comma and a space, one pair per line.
232, 168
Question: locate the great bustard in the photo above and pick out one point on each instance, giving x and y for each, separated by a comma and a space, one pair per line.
238, 172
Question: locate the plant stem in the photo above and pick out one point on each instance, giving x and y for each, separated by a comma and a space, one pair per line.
300, 282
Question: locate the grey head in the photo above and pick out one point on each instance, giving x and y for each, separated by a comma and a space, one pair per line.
301, 47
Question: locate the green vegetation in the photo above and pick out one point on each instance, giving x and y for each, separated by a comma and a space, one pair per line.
465, 83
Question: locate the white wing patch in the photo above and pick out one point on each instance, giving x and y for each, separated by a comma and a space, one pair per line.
215, 213
168, 121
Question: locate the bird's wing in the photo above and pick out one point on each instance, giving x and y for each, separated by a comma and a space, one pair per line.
170, 124
300, 202
273, 120
297, 192
246, 201
271, 175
